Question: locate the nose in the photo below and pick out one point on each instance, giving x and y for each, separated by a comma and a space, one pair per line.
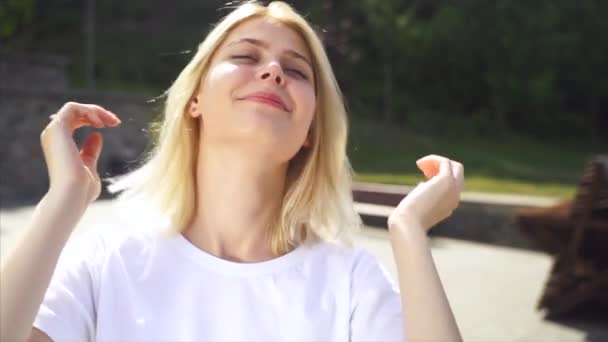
272, 72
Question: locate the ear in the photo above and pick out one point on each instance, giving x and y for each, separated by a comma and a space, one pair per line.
193, 107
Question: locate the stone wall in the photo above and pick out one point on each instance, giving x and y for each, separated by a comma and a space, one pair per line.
32, 89
33, 71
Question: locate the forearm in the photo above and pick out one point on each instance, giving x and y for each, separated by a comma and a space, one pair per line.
426, 310
26, 272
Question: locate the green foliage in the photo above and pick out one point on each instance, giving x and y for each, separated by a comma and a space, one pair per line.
14, 14
533, 67
473, 66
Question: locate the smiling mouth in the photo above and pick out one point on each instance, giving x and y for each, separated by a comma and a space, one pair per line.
267, 101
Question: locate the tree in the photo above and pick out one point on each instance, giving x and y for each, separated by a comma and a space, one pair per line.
15, 15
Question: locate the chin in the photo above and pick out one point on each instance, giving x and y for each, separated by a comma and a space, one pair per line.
273, 139
263, 120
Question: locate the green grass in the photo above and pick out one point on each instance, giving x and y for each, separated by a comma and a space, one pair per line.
507, 164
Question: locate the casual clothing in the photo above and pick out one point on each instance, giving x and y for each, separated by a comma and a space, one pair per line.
140, 286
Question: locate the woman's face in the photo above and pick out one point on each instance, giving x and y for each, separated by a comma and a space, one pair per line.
259, 91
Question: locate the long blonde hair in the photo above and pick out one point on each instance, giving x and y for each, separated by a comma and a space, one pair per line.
317, 204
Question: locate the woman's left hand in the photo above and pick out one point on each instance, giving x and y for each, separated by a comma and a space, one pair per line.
434, 200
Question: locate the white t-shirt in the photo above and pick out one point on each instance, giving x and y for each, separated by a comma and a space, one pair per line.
139, 286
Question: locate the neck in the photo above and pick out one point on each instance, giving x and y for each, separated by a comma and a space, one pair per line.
238, 197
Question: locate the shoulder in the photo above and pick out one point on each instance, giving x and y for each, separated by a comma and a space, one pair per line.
97, 242
365, 270
355, 260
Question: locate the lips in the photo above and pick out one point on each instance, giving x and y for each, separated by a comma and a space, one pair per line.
267, 98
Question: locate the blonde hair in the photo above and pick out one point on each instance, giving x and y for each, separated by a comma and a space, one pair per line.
317, 204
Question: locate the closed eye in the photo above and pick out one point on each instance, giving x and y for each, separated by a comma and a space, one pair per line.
297, 72
253, 59
244, 57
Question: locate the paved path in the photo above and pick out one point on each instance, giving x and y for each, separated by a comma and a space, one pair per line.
492, 290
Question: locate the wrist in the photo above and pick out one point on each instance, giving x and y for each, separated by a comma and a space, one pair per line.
408, 234
66, 197
405, 219
408, 230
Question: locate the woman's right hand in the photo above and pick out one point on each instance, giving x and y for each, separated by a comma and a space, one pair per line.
71, 170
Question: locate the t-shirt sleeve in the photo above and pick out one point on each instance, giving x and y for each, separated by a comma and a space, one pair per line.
67, 312
376, 313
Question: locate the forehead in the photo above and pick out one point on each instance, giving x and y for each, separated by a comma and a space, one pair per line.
273, 32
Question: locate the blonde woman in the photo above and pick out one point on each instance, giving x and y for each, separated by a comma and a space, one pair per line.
251, 172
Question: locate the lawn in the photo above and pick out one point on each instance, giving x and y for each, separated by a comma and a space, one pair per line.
508, 164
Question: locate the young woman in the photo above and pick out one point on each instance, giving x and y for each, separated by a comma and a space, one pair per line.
250, 170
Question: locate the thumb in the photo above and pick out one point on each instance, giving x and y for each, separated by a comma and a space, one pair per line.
91, 149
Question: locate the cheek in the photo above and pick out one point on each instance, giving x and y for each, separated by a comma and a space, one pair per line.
225, 75
221, 81
306, 100
221, 70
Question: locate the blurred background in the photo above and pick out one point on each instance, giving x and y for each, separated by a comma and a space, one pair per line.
515, 90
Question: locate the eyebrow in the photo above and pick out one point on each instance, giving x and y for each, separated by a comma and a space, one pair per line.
265, 45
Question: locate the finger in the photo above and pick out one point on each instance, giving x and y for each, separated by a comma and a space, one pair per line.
445, 168
430, 165
458, 171
98, 114
108, 118
91, 149
94, 119
75, 115
445, 176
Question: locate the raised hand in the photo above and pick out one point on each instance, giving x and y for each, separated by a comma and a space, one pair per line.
71, 170
434, 200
